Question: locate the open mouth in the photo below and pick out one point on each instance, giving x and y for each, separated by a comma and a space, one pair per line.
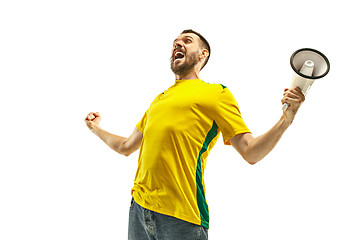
178, 55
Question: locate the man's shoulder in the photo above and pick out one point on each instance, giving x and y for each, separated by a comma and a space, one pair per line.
215, 86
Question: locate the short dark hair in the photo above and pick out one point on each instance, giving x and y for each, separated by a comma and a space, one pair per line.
204, 42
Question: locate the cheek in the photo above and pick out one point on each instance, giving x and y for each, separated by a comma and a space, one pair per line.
195, 56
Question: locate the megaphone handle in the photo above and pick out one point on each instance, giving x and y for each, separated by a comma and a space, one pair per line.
285, 106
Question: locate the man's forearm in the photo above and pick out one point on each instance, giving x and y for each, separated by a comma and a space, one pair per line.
115, 142
260, 146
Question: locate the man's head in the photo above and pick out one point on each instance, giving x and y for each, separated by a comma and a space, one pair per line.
190, 50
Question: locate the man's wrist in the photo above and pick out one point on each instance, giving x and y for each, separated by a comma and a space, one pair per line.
284, 123
96, 130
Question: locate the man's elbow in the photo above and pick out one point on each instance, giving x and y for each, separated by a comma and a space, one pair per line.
123, 150
126, 154
252, 160
126, 150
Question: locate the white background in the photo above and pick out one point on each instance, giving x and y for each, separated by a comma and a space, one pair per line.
60, 60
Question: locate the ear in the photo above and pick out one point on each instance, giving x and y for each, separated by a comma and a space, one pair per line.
204, 54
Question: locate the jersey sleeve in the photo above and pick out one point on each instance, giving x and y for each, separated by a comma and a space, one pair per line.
228, 116
141, 125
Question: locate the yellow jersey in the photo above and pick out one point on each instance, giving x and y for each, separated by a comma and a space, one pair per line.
179, 130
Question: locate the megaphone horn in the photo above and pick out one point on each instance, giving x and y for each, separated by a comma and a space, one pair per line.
308, 65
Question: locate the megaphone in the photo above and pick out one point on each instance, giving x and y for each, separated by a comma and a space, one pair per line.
308, 65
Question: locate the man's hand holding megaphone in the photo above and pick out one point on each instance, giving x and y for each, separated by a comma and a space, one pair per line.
294, 98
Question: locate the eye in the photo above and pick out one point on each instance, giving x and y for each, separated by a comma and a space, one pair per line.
188, 40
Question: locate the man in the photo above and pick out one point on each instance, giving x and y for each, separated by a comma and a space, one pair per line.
175, 137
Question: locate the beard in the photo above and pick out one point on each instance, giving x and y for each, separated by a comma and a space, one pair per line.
182, 68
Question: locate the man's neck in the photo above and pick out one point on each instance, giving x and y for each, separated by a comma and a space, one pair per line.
189, 75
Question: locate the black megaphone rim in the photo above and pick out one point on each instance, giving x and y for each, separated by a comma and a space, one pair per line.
313, 50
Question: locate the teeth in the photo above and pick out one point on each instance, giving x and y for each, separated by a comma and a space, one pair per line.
179, 55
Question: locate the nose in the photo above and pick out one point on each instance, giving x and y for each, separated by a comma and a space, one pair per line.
177, 44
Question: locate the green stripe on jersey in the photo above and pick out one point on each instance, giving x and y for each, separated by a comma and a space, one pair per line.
200, 195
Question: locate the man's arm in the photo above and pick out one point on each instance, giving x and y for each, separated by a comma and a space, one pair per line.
254, 149
122, 145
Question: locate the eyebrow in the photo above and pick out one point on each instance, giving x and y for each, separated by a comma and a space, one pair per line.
187, 36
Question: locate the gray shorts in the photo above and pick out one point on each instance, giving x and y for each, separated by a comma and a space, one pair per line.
148, 225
